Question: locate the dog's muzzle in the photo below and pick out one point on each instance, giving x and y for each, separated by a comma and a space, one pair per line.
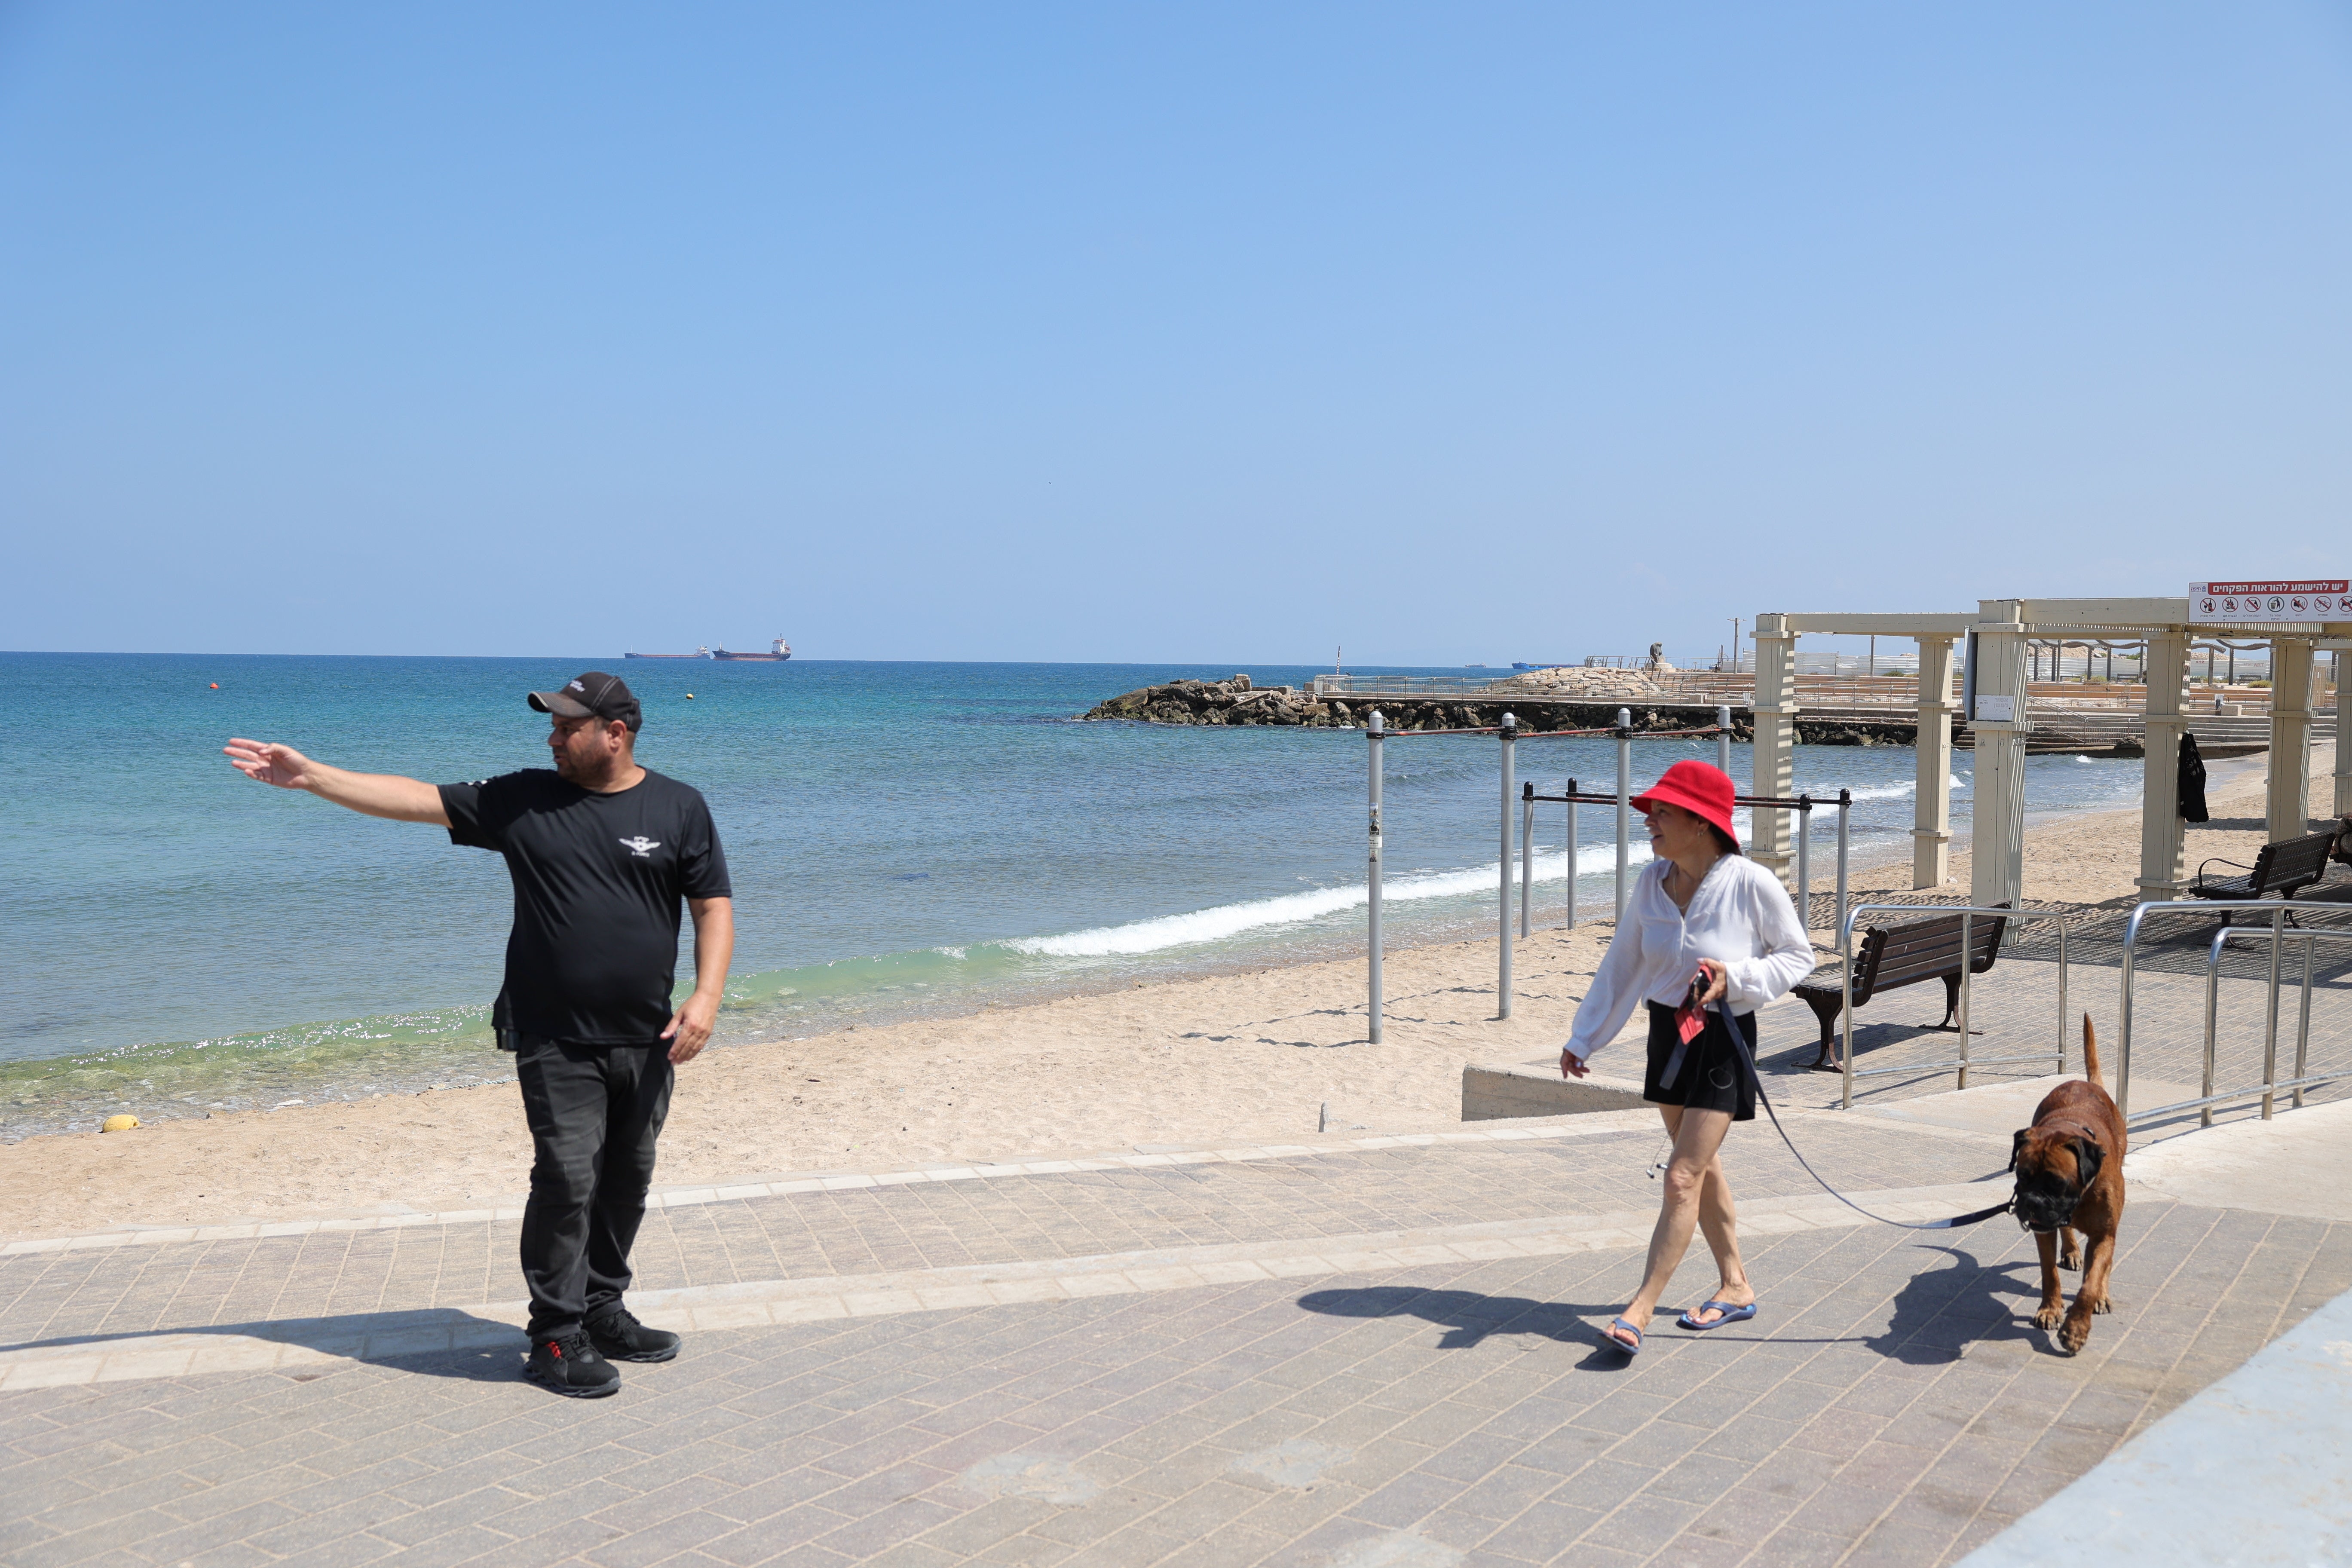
2044, 1211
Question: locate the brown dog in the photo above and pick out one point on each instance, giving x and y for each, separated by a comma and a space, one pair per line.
2070, 1178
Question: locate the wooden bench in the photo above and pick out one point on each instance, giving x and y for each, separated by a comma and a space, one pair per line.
1891, 957
2281, 868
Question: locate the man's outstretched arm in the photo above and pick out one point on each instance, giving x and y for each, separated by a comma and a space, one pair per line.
374, 794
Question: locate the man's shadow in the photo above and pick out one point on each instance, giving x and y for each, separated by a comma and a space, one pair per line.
436, 1342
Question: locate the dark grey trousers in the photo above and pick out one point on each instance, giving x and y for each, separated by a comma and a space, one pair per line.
594, 1113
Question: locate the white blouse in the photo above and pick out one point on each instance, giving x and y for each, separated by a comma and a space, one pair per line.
1741, 917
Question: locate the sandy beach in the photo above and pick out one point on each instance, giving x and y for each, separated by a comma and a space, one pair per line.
1249, 1056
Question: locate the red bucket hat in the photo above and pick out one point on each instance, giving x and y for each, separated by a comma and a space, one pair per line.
1704, 791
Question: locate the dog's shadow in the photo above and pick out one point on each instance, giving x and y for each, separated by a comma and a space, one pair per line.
1942, 1313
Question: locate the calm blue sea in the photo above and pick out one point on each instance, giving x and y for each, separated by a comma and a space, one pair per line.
905, 838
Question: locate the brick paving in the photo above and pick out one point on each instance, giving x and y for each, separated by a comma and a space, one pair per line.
1891, 1405
142, 1288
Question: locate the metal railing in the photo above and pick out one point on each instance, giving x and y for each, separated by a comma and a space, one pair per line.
1968, 913
2276, 933
1376, 734
1804, 806
1508, 731
1623, 797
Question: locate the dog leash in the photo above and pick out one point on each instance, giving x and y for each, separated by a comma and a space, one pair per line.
1747, 1060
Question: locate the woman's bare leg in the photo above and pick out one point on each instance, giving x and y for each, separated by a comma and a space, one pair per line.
1698, 1139
1718, 1220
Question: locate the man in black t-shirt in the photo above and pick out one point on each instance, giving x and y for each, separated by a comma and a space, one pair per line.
601, 852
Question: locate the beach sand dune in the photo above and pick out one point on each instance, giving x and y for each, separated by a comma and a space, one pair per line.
1247, 1056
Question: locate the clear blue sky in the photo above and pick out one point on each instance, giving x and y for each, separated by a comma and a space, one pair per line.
1196, 331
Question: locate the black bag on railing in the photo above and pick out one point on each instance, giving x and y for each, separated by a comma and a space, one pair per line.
2192, 781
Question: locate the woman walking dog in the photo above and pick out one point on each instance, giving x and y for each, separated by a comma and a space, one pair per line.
1709, 937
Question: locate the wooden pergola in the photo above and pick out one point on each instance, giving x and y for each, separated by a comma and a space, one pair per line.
2003, 629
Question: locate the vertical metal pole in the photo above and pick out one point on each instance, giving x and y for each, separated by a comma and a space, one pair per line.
1571, 854
2062, 1009
2302, 1019
1845, 809
1372, 880
2270, 1022
1527, 860
1502, 923
1624, 801
1723, 738
1845, 1026
1968, 966
1805, 862
2213, 1009
2123, 1023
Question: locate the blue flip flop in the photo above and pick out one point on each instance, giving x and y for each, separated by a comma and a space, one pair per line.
1610, 1342
1731, 1314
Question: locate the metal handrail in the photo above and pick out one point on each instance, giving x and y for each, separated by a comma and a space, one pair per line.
1967, 970
1376, 733
2277, 908
2270, 1086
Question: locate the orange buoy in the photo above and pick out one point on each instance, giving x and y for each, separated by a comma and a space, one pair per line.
216, 686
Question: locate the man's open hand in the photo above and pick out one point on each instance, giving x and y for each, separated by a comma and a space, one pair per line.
689, 1028
270, 763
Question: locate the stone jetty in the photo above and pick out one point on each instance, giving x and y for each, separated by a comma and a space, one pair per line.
1235, 701
1240, 700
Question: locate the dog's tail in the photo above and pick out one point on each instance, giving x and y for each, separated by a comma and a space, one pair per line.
2091, 1053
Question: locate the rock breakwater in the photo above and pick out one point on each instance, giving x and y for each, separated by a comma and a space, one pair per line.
1235, 701
1239, 701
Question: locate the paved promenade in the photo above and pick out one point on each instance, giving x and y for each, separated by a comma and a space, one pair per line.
1371, 1354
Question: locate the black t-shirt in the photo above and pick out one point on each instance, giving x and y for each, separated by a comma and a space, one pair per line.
592, 958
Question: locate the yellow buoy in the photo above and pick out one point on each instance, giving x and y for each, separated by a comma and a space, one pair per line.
690, 697
120, 1123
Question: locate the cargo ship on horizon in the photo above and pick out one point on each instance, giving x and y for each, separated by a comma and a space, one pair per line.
697, 653
778, 651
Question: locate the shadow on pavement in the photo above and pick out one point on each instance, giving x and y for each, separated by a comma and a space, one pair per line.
1938, 1314
434, 1342
1942, 1312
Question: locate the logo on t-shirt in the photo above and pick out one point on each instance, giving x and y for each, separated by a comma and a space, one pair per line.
642, 846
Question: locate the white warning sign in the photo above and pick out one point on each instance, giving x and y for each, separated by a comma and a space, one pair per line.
2251, 603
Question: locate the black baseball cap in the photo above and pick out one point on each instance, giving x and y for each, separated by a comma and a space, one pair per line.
594, 695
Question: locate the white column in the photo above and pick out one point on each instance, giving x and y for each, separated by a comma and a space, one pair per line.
2342, 741
2290, 758
1997, 832
2163, 869
1931, 816
1776, 734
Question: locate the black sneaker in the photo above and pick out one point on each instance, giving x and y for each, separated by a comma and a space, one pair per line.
569, 1366
619, 1335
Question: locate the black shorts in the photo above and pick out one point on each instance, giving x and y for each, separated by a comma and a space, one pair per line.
1711, 1078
